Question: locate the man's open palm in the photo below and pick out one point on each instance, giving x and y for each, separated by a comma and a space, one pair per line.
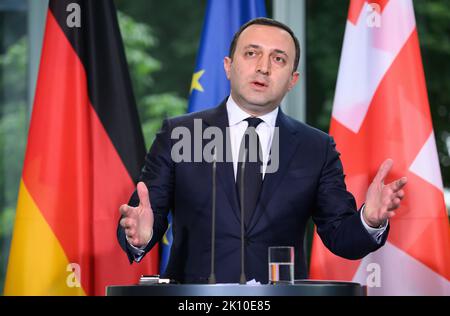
383, 199
138, 221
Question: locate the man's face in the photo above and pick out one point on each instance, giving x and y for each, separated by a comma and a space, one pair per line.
261, 70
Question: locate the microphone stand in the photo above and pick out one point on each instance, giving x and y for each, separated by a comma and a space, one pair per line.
212, 276
243, 279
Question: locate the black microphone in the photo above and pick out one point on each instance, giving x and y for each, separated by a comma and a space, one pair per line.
212, 276
243, 279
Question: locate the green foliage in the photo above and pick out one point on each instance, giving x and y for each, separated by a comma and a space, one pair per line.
14, 63
325, 23
178, 25
13, 120
161, 106
434, 34
7, 221
13, 129
139, 40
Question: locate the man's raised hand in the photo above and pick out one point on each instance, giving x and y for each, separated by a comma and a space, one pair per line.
138, 221
383, 199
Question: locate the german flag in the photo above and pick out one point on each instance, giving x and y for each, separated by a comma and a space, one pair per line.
84, 153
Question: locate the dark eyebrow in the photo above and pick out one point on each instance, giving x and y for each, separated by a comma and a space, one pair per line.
278, 51
252, 46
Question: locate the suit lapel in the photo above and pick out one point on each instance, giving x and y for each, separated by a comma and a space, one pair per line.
288, 142
225, 173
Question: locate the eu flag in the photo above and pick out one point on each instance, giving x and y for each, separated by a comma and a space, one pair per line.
209, 84
223, 18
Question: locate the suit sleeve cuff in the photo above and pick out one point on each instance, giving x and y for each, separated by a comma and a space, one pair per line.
138, 252
376, 233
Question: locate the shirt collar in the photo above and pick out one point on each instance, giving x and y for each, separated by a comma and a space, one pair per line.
237, 115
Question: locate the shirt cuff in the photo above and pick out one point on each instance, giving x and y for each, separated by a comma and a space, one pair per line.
376, 233
138, 252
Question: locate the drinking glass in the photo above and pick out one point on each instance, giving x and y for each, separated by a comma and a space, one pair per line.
281, 265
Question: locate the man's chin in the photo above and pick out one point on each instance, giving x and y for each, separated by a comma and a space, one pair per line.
261, 107
256, 103
259, 101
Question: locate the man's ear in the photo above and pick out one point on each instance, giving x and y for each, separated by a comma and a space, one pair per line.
294, 79
227, 66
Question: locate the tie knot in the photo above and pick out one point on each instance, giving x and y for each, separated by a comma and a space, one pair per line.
253, 121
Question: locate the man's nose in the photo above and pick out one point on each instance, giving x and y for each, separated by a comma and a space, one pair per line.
263, 65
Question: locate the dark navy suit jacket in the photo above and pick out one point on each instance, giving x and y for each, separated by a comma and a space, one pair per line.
309, 182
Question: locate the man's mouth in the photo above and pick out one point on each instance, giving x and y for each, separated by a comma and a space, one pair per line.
259, 84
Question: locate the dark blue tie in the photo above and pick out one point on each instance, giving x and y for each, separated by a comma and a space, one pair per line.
252, 171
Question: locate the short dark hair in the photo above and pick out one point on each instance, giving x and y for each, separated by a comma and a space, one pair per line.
268, 22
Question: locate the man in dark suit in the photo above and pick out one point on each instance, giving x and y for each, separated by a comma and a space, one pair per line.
307, 180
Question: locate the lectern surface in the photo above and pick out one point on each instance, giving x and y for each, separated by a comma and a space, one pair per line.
300, 288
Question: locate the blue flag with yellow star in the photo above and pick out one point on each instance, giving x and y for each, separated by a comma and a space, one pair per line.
209, 84
223, 18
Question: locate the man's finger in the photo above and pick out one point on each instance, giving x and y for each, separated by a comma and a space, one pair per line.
125, 209
383, 170
400, 194
395, 204
398, 184
143, 195
390, 214
130, 232
126, 222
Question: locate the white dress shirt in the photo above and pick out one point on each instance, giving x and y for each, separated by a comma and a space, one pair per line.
238, 125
